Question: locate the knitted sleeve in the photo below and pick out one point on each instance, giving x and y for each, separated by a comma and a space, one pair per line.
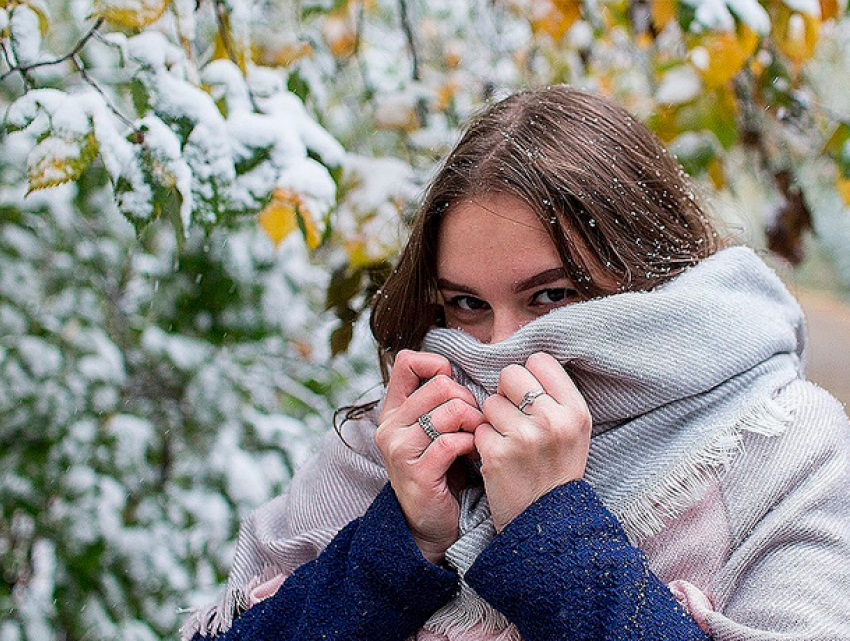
370, 584
565, 569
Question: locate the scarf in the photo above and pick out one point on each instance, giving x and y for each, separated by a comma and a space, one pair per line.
672, 377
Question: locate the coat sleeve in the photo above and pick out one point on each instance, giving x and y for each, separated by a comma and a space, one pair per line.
371, 583
788, 505
328, 492
564, 569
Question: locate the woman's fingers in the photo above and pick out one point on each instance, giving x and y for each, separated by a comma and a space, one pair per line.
410, 370
542, 375
553, 378
454, 415
418, 383
536, 436
426, 424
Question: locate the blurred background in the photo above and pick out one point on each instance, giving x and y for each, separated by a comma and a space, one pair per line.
198, 197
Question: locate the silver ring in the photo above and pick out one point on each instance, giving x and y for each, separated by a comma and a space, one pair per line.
528, 398
428, 427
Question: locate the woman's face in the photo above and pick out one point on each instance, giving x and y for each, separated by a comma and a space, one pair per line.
497, 268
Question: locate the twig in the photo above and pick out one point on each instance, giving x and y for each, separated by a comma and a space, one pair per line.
411, 42
92, 83
23, 70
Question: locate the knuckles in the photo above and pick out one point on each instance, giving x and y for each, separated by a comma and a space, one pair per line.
456, 412
442, 385
538, 359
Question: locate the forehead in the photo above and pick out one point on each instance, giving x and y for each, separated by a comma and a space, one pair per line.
495, 235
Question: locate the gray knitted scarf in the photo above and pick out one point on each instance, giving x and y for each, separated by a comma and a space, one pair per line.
673, 377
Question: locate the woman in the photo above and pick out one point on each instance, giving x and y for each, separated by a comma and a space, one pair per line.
594, 427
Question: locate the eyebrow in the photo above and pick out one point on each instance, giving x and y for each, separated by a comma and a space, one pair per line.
543, 278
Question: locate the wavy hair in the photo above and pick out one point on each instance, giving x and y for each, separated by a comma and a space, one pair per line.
614, 201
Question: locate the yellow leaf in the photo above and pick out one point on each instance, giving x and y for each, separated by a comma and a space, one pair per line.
284, 55
340, 36
721, 55
795, 34
829, 9
842, 184
663, 11
555, 18
57, 160
282, 216
133, 14
453, 56
446, 93
39, 8
716, 173
358, 255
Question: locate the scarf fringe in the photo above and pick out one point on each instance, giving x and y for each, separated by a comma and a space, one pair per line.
647, 515
468, 612
216, 619
468, 616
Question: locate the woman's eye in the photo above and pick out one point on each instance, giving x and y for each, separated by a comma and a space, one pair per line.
554, 296
467, 303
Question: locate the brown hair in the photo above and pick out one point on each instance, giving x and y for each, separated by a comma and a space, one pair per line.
613, 199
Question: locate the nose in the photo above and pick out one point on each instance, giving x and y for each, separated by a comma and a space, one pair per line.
505, 323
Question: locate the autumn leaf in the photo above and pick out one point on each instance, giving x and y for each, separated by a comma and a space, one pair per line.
842, 184
663, 11
56, 160
133, 14
286, 213
829, 9
842, 179
721, 55
791, 221
340, 36
554, 18
283, 55
794, 33
446, 93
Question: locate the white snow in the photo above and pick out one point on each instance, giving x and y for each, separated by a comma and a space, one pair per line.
133, 436
41, 358
811, 7
678, 86
719, 15
25, 34
184, 352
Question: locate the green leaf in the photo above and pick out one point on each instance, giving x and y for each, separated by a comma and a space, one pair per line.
836, 145
686, 16
257, 158
343, 287
843, 159
297, 85
139, 96
56, 160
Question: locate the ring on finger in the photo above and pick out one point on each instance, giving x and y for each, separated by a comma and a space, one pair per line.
427, 426
528, 398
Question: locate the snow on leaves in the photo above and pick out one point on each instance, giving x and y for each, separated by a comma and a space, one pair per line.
195, 154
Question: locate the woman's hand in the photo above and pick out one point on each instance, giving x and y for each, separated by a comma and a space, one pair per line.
418, 467
527, 453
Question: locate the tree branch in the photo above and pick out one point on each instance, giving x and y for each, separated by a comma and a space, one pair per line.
411, 42
91, 82
24, 69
